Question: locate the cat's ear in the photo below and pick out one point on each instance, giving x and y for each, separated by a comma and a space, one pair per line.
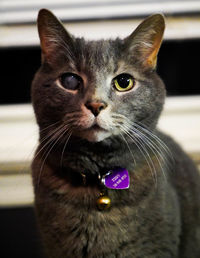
53, 36
144, 43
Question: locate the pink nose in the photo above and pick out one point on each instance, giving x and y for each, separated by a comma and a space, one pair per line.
96, 107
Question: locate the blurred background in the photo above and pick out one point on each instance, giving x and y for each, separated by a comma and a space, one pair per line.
178, 66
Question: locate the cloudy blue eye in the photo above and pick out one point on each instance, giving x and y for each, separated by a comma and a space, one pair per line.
71, 81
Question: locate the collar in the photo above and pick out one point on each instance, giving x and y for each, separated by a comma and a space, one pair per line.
115, 179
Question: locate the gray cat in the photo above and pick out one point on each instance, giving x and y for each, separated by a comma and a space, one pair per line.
97, 104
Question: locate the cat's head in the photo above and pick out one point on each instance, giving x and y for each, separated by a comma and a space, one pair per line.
98, 89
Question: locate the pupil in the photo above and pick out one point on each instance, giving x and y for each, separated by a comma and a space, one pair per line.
123, 81
70, 81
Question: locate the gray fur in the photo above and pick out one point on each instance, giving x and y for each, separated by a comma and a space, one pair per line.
159, 215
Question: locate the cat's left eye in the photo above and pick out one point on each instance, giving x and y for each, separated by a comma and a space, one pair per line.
124, 82
70, 81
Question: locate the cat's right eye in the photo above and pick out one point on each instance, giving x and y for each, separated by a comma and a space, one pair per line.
71, 81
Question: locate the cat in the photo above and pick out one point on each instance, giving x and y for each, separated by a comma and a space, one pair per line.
97, 104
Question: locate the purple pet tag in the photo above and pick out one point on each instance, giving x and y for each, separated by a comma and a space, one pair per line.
117, 179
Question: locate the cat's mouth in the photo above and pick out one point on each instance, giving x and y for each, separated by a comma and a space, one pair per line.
96, 127
95, 133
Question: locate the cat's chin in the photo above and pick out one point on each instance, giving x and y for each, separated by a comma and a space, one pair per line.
95, 134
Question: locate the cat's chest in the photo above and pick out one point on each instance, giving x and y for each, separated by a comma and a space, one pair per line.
93, 230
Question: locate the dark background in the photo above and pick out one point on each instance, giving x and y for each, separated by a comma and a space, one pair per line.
19, 236
177, 65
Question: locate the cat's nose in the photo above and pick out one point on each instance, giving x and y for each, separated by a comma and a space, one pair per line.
96, 107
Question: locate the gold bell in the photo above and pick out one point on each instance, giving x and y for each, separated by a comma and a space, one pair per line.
103, 202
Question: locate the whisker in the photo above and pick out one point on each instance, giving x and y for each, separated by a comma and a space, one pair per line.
152, 146
146, 139
156, 148
128, 148
160, 147
52, 144
49, 141
143, 151
61, 160
44, 129
162, 144
163, 148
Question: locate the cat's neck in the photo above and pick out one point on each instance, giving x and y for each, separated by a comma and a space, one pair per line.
88, 157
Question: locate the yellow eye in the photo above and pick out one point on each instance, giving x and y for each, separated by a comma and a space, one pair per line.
124, 82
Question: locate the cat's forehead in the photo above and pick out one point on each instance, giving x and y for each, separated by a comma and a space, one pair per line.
102, 60
96, 56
